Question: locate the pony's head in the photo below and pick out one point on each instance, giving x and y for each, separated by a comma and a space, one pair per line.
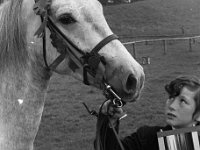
83, 24
78, 27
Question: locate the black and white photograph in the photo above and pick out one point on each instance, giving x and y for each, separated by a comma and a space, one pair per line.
99, 74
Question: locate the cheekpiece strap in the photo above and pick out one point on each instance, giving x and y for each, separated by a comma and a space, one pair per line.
41, 8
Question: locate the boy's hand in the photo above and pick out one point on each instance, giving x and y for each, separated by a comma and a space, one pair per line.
114, 113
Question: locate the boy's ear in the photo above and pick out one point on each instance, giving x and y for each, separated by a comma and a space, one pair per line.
197, 117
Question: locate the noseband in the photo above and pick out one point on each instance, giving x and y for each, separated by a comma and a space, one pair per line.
89, 60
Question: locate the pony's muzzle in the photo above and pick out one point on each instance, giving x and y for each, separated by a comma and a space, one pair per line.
132, 86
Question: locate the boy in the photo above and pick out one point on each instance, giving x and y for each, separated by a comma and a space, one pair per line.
182, 110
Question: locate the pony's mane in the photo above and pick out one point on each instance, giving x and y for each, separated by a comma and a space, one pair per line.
13, 54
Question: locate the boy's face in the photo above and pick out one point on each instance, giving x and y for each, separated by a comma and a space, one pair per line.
179, 110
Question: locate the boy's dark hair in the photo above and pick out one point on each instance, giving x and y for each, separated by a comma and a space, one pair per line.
191, 82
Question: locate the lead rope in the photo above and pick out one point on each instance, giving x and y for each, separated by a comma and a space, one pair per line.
117, 102
94, 113
117, 137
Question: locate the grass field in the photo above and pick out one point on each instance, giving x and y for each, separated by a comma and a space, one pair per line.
65, 123
155, 18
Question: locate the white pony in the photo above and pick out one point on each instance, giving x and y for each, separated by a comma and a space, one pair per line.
26, 64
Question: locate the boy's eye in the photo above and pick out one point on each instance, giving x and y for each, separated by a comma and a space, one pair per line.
183, 101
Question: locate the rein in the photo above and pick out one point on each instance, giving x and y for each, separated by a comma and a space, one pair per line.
89, 61
103, 120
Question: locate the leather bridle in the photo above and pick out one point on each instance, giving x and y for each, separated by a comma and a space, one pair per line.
89, 61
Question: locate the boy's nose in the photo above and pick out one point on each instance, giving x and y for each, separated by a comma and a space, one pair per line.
173, 104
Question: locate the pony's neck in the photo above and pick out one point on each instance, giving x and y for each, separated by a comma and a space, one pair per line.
23, 80
22, 96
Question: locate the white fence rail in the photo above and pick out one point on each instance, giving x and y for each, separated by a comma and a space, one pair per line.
164, 41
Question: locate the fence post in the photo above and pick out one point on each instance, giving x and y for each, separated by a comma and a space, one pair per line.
165, 46
134, 50
190, 45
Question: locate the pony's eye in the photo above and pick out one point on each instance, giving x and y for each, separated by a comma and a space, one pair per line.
66, 19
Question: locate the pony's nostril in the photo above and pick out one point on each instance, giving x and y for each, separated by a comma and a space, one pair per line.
131, 83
